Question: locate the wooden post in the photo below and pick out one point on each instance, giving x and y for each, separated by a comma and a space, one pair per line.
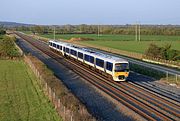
72, 117
54, 97
49, 94
58, 103
46, 87
64, 113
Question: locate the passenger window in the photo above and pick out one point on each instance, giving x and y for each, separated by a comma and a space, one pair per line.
109, 66
100, 62
58, 46
80, 55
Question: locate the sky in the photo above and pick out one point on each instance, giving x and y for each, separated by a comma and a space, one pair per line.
59, 12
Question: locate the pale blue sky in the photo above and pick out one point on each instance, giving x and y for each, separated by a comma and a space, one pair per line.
91, 11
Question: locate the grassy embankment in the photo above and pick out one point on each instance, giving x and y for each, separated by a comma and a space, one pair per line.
20, 95
124, 42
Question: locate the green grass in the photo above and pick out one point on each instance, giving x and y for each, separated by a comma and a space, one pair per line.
116, 41
132, 46
20, 96
116, 37
1, 37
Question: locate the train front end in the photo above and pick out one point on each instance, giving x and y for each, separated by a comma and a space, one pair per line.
121, 71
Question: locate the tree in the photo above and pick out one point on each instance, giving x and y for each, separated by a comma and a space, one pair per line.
2, 31
8, 48
154, 51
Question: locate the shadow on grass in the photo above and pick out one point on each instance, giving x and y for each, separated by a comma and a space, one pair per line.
144, 74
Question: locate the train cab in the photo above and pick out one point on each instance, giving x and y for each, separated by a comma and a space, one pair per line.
121, 71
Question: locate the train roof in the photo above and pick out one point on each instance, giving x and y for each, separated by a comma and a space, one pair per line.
91, 52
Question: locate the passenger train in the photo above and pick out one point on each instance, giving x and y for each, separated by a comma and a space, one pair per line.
113, 67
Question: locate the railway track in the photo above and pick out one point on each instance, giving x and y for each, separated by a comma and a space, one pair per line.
149, 105
153, 88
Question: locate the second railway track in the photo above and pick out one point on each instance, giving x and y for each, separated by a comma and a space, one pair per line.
149, 105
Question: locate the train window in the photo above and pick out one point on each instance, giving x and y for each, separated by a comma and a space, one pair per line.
91, 59
60, 48
86, 57
121, 67
64, 49
51, 44
109, 66
80, 55
73, 52
57, 46
67, 50
99, 62
54, 45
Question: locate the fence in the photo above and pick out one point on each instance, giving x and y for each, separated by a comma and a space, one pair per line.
175, 64
65, 113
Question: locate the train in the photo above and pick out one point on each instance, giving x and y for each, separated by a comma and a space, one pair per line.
111, 66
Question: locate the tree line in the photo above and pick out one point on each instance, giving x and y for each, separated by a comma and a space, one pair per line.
104, 29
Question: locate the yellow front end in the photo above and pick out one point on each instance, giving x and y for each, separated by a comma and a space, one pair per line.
120, 76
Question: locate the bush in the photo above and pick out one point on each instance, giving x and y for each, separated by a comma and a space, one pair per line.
165, 52
2, 32
8, 47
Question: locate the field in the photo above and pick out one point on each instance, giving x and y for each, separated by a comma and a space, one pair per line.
125, 42
132, 46
116, 37
20, 96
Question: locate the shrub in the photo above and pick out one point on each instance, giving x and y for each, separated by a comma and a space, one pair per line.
2, 32
8, 47
163, 52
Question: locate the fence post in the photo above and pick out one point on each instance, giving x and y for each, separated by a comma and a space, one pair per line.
72, 117
49, 94
38, 75
58, 102
46, 88
54, 96
64, 113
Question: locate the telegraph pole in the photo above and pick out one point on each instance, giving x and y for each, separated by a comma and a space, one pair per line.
54, 33
139, 32
136, 31
98, 30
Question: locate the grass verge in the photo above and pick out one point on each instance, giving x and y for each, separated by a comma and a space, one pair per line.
20, 96
68, 100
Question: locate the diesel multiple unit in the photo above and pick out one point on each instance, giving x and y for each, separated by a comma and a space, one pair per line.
114, 67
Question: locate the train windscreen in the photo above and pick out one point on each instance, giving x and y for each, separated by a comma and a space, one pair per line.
121, 67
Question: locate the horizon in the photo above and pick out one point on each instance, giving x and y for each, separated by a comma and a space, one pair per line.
91, 24
102, 12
